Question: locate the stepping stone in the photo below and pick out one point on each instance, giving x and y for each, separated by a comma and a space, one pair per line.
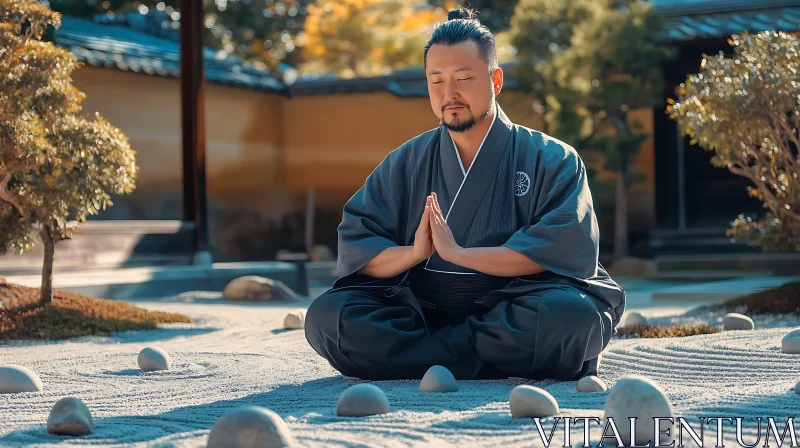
361, 400
530, 401
153, 358
633, 319
637, 396
791, 342
70, 417
591, 383
736, 321
250, 427
15, 379
257, 289
438, 379
295, 319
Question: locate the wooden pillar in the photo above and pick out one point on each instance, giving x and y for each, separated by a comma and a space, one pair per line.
193, 126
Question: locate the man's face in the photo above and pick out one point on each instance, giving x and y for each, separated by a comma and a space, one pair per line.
459, 85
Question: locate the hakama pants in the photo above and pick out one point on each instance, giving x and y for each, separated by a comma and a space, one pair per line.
551, 331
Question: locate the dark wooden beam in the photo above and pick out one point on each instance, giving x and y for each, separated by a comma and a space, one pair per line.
193, 122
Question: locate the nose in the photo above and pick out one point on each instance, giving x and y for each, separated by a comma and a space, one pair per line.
450, 92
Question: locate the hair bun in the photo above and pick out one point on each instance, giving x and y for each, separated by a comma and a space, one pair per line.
461, 14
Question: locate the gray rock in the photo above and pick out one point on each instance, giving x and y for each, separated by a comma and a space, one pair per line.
438, 379
153, 358
530, 401
591, 383
797, 388
257, 289
736, 321
791, 342
361, 400
295, 319
321, 252
633, 319
15, 379
70, 417
250, 427
637, 396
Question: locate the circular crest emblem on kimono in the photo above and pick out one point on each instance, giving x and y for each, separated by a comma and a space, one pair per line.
522, 184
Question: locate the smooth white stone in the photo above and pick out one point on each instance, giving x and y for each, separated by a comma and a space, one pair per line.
633, 319
736, 321
637, 396
791, 342
438, 379
70, 417
530, 401
153, 358
361, 400
295, 319
15, 379
250, 427
591, 383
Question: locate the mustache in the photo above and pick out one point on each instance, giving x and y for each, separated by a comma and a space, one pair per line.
455, 104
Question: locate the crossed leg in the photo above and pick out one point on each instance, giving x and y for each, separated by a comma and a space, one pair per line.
556, 332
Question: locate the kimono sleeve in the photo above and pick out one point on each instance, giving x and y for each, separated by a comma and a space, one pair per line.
371, 218
561, 234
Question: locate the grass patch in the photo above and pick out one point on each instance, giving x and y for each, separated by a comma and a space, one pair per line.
71, 315
673, 331
784, 299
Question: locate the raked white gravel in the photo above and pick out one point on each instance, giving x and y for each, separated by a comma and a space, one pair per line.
237, 355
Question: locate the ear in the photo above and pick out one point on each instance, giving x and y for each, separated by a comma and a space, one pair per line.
497, 80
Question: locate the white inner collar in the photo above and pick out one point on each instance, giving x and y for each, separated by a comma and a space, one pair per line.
458, 156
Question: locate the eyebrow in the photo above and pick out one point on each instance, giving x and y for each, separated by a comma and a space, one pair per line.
462, 69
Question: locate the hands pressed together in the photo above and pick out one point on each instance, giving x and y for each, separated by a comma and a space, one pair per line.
433, 234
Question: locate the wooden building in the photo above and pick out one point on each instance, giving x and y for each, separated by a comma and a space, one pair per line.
269, 144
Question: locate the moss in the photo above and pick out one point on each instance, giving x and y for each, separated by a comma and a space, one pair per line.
781, 300
673, 331
71, 315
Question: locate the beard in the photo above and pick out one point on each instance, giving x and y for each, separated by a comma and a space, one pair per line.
459, 125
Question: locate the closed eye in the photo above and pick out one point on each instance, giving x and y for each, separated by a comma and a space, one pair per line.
464, 79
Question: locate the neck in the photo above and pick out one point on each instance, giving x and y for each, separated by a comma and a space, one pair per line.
467, 143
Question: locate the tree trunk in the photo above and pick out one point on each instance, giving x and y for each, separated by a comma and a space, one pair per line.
310, 207
621, 195
621, 216
47, 233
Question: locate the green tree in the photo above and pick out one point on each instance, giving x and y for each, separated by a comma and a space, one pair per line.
586, 65
56, 167
265, 33
746, 109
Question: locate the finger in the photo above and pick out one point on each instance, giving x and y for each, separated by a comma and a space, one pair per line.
436, 202
438, 212
439, 220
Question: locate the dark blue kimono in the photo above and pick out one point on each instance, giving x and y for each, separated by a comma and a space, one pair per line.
524, 190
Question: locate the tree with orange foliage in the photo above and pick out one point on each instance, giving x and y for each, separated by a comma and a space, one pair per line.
352, 38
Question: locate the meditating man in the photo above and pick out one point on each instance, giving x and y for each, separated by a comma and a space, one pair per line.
473, 246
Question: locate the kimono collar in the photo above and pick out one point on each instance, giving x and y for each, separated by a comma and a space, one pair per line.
481, 174
497, 136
